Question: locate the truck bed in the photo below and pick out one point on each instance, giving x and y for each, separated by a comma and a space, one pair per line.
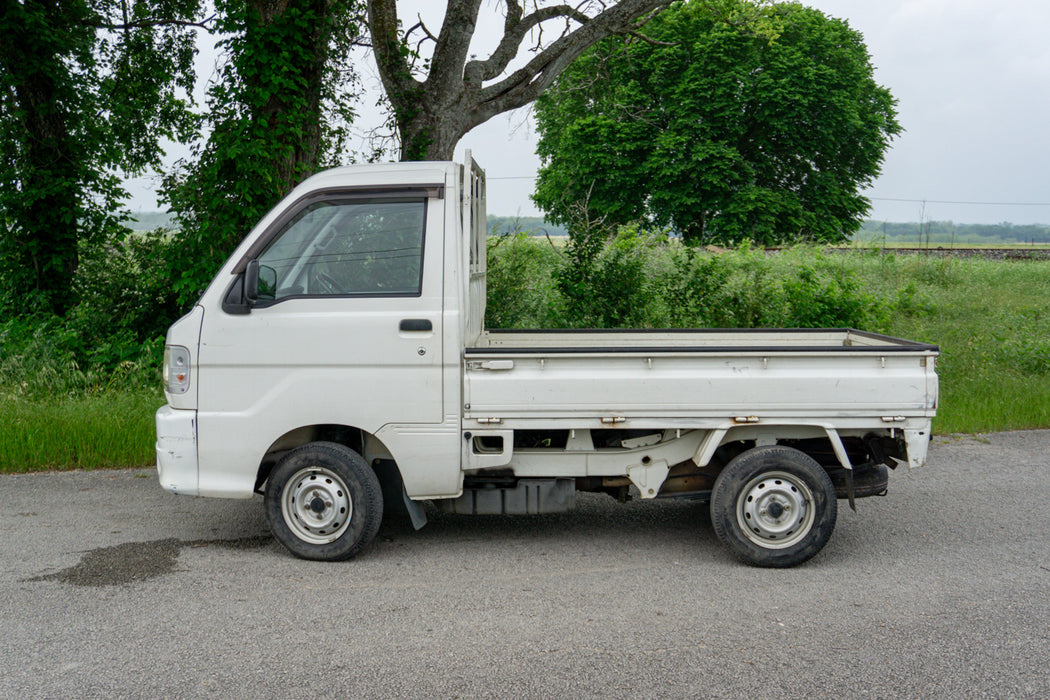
696, 377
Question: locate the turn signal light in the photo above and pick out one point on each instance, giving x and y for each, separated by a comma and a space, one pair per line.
176, 369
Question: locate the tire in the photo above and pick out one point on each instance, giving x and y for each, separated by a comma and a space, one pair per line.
323, 502
774, 506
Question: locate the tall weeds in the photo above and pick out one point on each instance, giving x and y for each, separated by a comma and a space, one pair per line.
644, 280
991, 319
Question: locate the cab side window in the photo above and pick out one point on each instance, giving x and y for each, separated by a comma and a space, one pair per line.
347, 248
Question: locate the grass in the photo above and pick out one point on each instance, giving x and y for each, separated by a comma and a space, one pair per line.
95, 431
991, 320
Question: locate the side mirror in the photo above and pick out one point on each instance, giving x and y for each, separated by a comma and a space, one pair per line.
251, 282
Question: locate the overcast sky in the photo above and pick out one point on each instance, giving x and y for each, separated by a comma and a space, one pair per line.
972, 78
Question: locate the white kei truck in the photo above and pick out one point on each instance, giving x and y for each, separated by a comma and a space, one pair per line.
339, 366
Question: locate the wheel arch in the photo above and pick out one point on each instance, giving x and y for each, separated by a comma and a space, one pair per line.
770, 434
374, 451
361, 441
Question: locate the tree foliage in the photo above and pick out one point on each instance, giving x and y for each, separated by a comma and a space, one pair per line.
87, 90
278, 111
758, 123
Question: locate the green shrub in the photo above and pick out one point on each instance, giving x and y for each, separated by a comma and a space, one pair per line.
520, 281
125, 300
639, 279
610, 285
111, 339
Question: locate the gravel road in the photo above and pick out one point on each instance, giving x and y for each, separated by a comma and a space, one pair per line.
111, 587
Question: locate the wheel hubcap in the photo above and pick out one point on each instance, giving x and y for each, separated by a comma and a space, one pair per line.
316, 505
775, 510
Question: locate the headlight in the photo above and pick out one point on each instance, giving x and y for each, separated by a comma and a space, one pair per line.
176, 369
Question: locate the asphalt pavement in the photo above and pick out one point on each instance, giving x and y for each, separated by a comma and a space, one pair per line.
111, 587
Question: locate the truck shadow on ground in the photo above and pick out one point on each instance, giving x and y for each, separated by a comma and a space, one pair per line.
596, 519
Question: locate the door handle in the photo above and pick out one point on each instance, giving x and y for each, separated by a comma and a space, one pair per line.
416, 324
491, 364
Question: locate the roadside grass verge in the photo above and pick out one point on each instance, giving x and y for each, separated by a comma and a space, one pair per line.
94, 431
990, 318
65, 404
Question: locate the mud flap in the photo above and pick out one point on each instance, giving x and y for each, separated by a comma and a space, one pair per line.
843, 457
397, 506
849, 490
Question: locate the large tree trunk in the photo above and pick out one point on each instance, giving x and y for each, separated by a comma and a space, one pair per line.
269, 124
434, 133
458, 94
52, 190
292, 104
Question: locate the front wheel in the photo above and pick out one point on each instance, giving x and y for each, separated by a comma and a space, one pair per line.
774, 506
323, 502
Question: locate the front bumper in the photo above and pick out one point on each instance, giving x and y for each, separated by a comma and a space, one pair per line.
177, 450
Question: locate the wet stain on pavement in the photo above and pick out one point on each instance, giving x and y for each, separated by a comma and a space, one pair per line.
136, 562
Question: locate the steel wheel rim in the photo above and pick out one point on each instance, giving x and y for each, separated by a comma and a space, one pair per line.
316, 505
775, 510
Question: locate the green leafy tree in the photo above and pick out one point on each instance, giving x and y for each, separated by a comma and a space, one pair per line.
87, 90
278, 111
758, 123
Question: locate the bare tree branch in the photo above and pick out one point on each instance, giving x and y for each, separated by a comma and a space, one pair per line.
528, 83
433, 114
394, 69
420, 25
426, 36
514, 31
159, 22
450, 52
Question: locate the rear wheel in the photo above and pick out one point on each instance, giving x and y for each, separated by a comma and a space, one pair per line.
774, 506
323, 502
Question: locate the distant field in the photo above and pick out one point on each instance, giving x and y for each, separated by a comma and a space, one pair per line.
949, 234
900, 245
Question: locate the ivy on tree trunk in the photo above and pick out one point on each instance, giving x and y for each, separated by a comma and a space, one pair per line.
38, 251
279, 112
